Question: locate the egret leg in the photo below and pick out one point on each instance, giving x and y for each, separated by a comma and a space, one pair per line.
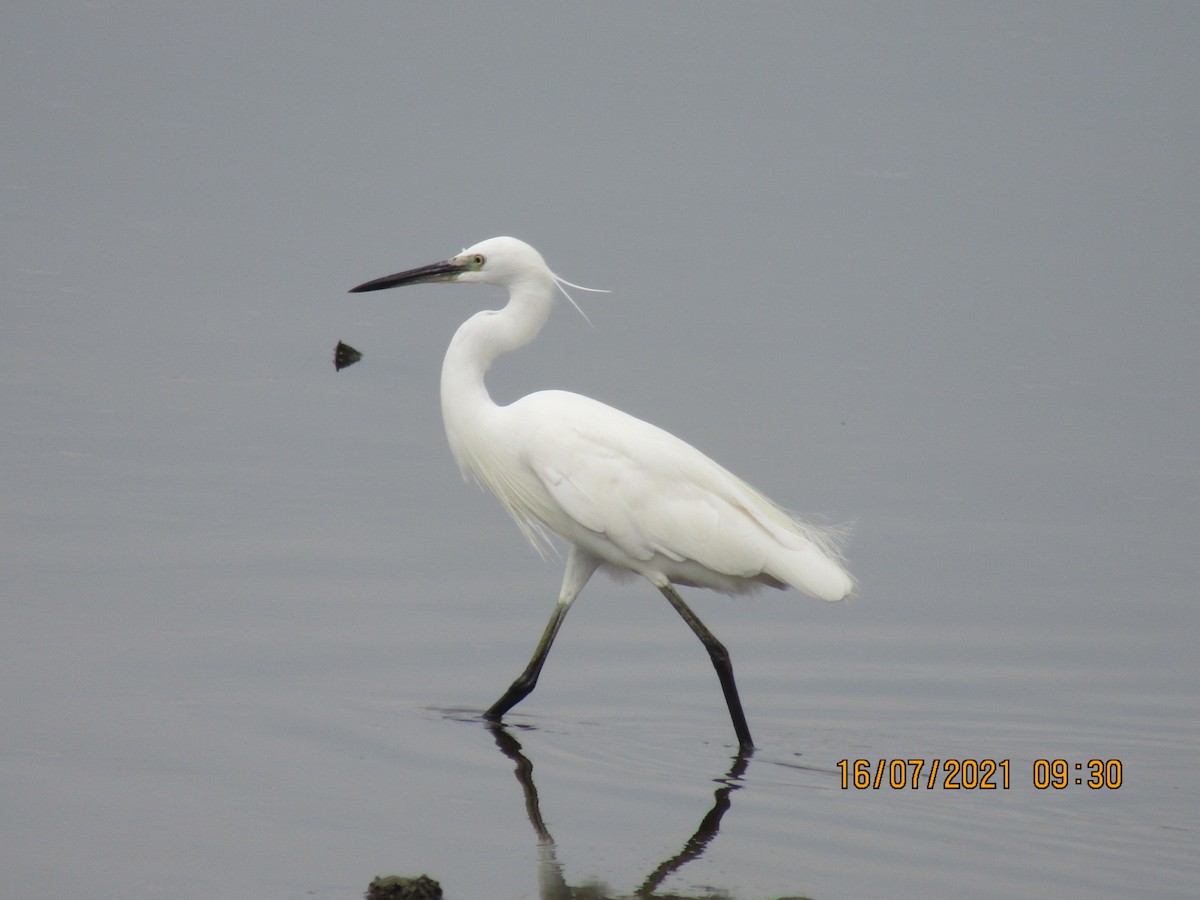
580, 566
720, 660
527, 681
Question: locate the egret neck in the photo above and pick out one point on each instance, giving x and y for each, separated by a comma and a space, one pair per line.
468, 411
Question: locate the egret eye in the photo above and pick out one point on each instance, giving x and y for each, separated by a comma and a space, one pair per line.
477, 261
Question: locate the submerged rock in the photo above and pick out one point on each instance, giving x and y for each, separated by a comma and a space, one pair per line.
397, 887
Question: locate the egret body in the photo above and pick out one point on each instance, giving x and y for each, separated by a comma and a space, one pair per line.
624, 494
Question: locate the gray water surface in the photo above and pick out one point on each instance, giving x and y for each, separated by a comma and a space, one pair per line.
927, 269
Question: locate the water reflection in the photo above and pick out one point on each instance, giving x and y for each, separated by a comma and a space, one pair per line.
552, 881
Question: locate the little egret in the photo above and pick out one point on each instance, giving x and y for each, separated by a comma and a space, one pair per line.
626, 495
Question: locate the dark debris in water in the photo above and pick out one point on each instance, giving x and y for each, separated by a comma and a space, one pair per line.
344, 355
398, 887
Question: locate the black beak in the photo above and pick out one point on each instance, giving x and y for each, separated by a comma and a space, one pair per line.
438, 271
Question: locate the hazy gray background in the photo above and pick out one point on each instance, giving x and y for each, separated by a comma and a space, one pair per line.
930, 268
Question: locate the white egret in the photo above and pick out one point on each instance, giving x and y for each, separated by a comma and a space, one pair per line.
626, 495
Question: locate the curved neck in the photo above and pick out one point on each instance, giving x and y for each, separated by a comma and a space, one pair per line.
478, 342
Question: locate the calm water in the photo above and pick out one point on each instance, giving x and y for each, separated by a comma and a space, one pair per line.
931, 271
212, 695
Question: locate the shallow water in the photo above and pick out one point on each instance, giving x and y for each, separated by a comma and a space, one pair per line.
943, 287
233, 746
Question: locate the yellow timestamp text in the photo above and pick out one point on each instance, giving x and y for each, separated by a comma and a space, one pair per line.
1097, 774
916, 773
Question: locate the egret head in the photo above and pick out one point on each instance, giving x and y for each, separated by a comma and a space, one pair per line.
499, 260
505, 261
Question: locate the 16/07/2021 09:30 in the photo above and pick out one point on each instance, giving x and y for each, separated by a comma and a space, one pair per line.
975, 774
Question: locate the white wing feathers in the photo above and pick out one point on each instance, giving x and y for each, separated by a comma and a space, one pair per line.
649, 494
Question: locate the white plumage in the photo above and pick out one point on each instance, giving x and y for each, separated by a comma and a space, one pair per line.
642, 500
625, 494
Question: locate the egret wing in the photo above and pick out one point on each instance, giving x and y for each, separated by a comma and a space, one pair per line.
646, 491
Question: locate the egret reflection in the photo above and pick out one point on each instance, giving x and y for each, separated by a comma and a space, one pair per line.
552, 881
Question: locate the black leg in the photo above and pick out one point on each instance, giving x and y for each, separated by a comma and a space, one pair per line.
720, 660
524, 685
